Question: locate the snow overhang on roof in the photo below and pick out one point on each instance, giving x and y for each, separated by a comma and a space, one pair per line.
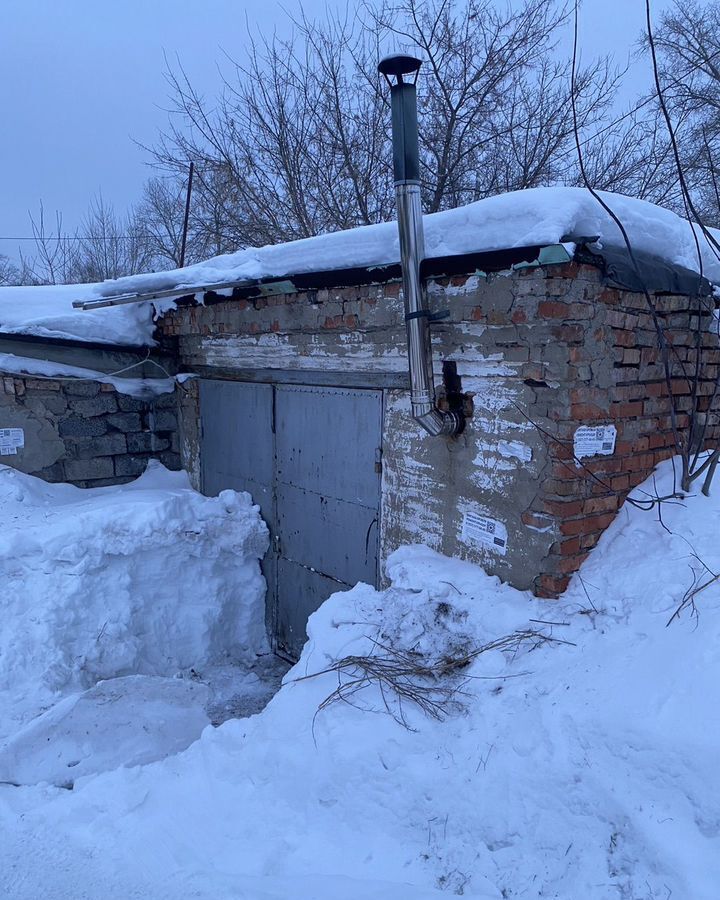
498, 233
521, 223
490, 261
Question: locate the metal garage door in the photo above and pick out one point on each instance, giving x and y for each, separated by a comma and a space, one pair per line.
310, 456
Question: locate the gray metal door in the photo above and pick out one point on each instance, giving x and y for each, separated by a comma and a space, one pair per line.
310, 457
237, 451
327, 446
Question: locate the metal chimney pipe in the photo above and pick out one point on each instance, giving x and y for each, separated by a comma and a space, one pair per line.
406, 164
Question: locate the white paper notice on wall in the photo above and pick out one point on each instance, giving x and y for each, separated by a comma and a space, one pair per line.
477, 529
594, 440
10, 440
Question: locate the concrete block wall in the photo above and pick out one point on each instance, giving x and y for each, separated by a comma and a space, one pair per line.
85, 432
545, 351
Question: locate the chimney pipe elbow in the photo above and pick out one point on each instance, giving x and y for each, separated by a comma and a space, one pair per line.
440, 423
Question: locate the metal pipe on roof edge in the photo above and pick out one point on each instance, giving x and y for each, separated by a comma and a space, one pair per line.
423, 402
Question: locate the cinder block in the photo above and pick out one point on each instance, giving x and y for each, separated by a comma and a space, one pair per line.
77, 427
89, 469
94, 406
81, 388
130, 465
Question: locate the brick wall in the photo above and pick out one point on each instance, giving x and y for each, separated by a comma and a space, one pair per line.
544, 350
615, 375
85, 432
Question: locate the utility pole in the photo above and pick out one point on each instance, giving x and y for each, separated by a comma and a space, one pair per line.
187, 214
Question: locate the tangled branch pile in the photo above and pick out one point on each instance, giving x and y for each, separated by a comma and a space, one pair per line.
434, 685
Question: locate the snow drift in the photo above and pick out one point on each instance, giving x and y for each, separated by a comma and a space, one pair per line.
540, 216
145, 579
585, 768
124, 721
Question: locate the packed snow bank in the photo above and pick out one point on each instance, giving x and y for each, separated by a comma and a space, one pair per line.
540, 216
149, 578
584, 769
121, 722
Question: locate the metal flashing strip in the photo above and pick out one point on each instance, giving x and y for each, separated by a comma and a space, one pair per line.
168, 294
552, 255
465, 263
312, 377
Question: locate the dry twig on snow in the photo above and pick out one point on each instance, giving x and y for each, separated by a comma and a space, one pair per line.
435, 685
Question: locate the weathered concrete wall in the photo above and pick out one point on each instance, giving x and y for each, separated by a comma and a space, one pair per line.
188, 396
545, 351
433, 490
85, 432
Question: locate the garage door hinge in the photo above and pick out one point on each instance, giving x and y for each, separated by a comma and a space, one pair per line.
378, 460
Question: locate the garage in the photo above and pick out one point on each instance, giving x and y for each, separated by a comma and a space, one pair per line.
312, 459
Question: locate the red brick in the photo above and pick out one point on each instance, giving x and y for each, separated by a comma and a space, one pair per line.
626, 410
624, 338
588, 541
680, 386
569, 334
643, 462
551, 586
659, 440
600, 504
566, 548
536, 519
561, 451
570, 564
563, 488
611, 296
588, 412
586, 524
553, 309
631, 357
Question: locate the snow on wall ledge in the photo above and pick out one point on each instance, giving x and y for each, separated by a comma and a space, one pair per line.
87, 593
539, 216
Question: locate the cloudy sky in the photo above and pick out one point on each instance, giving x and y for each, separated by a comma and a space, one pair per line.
82, 80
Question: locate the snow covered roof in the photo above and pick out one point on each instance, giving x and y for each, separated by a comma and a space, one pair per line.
537, 217
46, 311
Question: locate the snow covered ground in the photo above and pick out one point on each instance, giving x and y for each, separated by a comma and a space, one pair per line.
540, 216
583, 768
149, 578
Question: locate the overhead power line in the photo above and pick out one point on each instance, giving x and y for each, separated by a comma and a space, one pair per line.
73, 237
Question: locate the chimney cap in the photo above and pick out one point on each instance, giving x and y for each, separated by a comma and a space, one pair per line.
399, 64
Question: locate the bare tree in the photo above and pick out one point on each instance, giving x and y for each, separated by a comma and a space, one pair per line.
687, 47
109, 246
53, 261
104, 246
298, 142
9, 273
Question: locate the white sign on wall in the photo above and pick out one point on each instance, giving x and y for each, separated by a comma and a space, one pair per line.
594, 440
477, 529
10, 440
